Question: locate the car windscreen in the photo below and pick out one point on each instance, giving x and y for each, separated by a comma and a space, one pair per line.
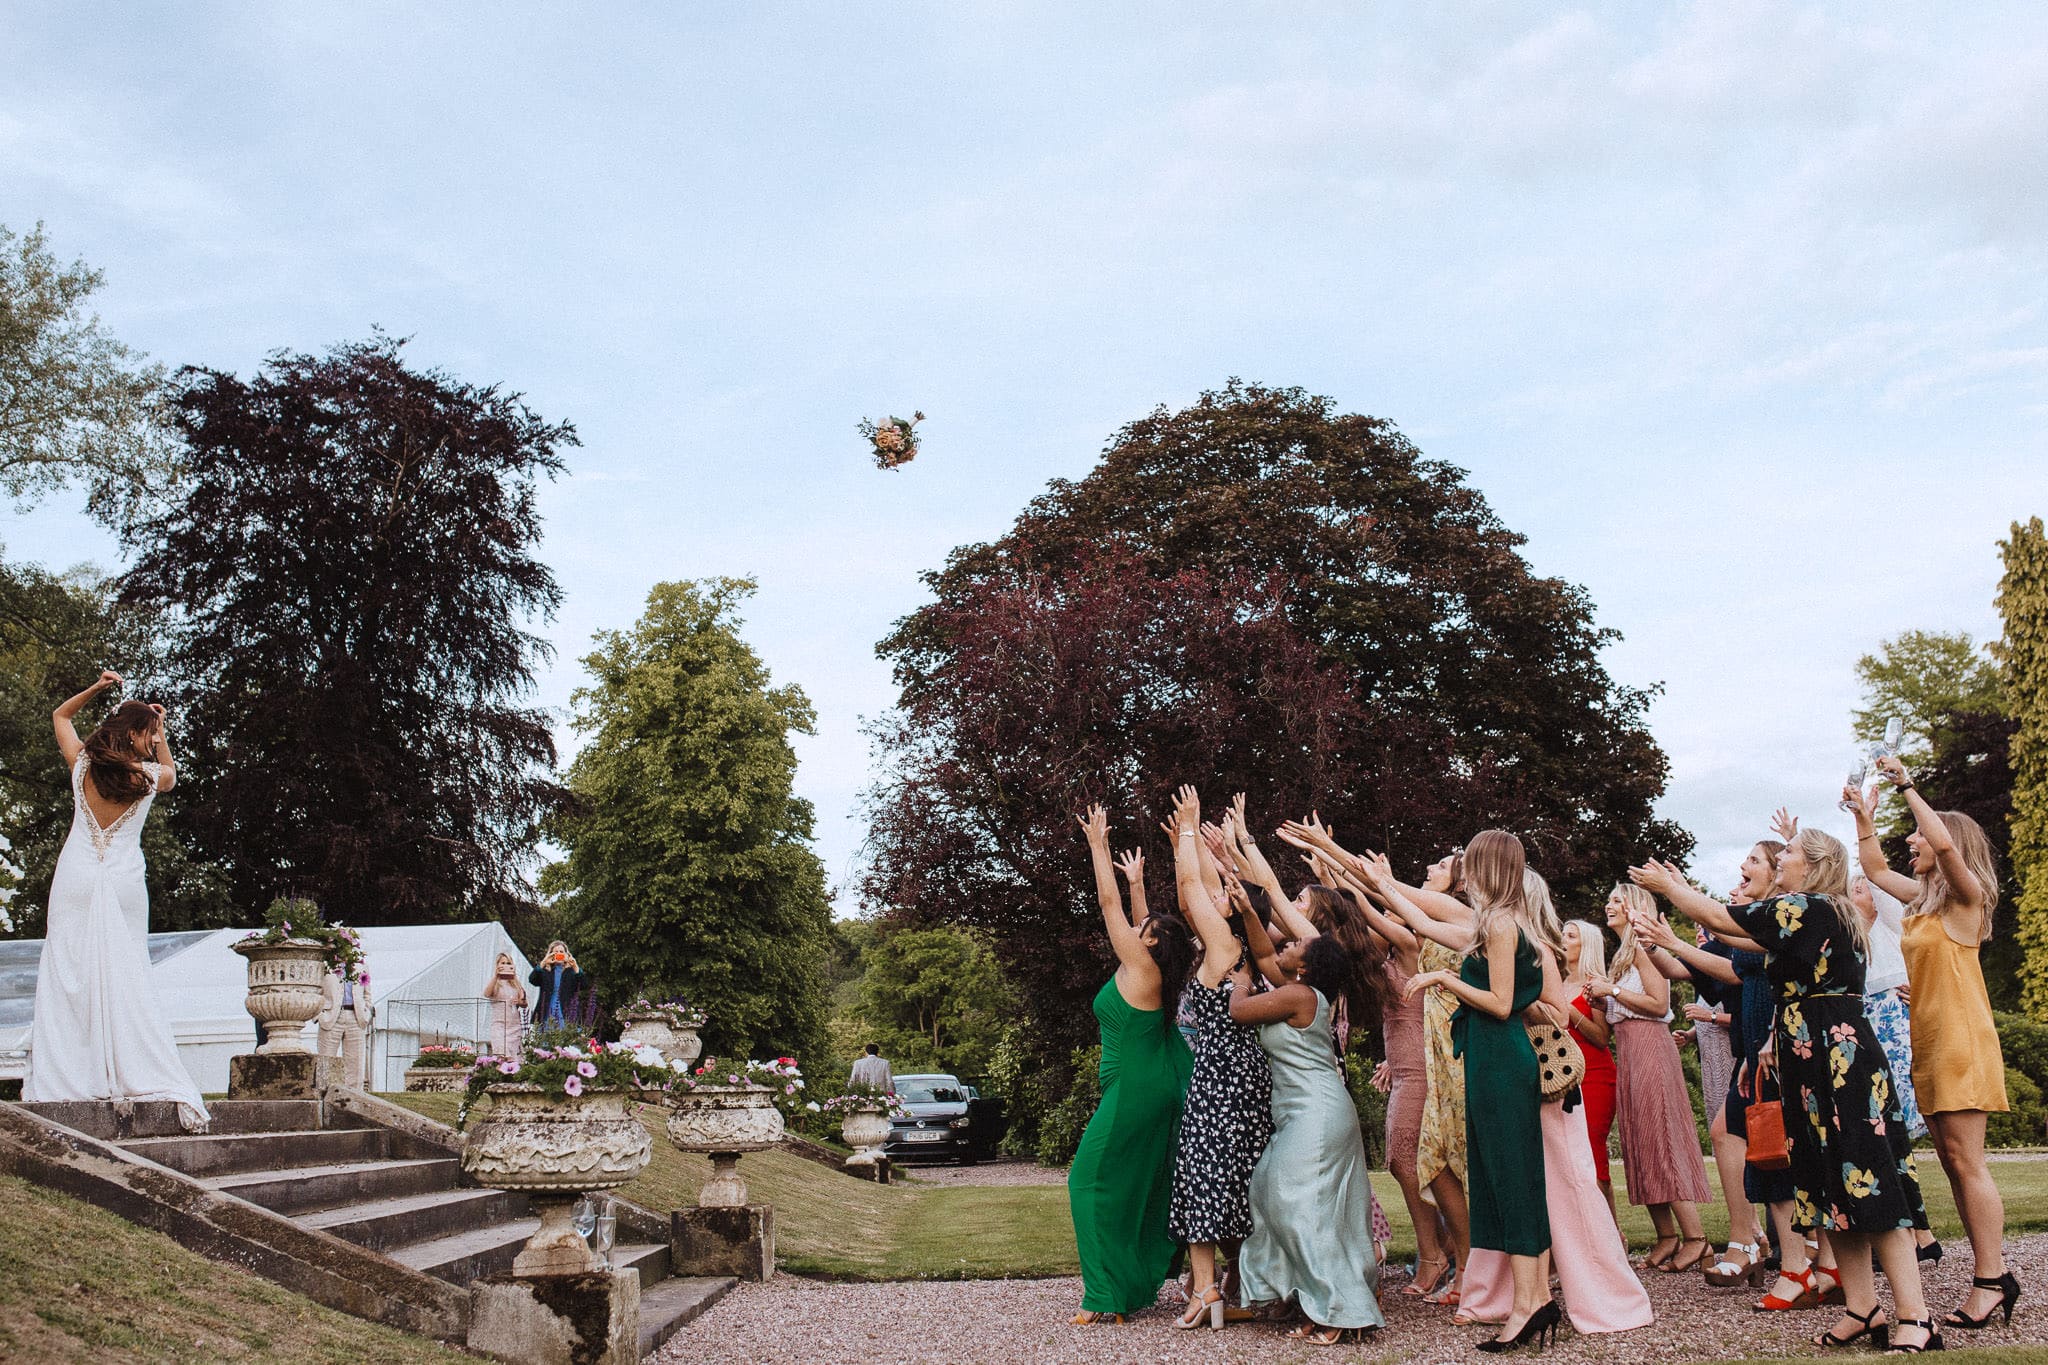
927, 1092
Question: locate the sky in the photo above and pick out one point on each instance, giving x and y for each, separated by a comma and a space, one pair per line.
1735, 310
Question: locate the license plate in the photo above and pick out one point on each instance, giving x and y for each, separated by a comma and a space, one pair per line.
924, 1137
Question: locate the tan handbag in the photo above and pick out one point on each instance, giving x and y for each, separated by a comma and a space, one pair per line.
1559, 1063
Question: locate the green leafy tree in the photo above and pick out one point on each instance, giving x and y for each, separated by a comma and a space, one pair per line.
75, 403
2023, 657
1921, 676
688, 870
935, 999
57, 631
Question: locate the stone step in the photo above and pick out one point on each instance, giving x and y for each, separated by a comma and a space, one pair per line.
668, 1307
159, 1118
467, 1255
227, 1153
382, 1224
306, 1189
649, 1258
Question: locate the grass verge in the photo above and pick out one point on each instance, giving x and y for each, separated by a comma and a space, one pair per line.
79, 1284
837, 1227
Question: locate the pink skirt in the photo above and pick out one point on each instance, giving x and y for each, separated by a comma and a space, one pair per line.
1660, 1141
1407, 1060
1601, 1292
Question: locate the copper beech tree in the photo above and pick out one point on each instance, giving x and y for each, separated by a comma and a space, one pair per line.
344, 583
1253, 593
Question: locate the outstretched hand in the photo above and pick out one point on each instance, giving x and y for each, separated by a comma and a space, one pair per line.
1132, 865
1095, 824
1655, 877
1785, 825
1187, 810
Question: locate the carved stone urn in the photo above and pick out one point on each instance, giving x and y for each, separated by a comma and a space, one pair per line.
724, 1121
554, 1148
284, 990
646, 1028
865, 1128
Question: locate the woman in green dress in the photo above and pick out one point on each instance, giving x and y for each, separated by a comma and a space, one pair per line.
1122, 1178
1500, 979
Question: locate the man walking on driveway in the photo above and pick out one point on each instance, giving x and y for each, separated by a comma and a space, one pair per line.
872, 1071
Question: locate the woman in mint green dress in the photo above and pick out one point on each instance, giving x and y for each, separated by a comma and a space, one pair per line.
1122, 1178
1311, 1193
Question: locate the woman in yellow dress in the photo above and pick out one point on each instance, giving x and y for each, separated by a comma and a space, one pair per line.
1958, 1070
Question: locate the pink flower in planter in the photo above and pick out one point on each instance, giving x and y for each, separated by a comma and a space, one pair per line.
573, 1086
509, 1068
586, 1070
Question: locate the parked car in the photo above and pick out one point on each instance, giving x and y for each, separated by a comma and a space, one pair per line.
948, 1121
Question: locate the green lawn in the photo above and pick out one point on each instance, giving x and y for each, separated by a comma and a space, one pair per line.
79, 1284
836, 1226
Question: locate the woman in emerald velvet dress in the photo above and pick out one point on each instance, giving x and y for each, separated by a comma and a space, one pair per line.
1122, 1178
1501, 978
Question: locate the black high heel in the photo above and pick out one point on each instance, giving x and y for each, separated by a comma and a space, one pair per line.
1933, 1342
1543, 1322
2008, 1294
1871, 1327
1930, 1252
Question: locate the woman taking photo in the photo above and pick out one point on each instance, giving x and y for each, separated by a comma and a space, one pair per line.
1958, 1069
1122, 1178
1852, 1163
1660, 1146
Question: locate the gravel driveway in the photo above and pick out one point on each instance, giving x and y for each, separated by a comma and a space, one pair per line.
795, 1320
986, 1173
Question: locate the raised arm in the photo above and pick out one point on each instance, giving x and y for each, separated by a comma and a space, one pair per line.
1131, 953
68, 742
1397, 934
1498, 999
1257, 870
1132, 866
1686, 960
1219, 945
1964, 892
167, 766
1869, 852
1664, 879
1259, 943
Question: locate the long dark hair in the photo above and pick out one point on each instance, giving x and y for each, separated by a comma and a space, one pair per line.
110, 753
1336, 914
1173, 952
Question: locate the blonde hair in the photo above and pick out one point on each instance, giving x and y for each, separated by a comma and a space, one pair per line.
1494, 864
1975, 850
1637, 901
1827, 875
1592, 947
1544, 925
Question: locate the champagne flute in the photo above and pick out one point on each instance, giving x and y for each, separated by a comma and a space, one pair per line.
607, 1233
585, 1217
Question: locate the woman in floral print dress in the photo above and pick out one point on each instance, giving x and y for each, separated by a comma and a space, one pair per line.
1852, 1162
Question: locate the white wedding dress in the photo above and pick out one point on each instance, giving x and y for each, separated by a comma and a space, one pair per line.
98, 1032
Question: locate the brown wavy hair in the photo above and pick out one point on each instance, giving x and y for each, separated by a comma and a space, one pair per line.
1335, 913
111, 757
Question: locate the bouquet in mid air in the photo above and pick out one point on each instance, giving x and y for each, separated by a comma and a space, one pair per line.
895, 441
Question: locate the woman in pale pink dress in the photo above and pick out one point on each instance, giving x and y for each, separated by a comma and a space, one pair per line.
508, 998
1601, 1291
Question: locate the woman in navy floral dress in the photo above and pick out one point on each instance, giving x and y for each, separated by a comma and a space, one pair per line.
1852, 1169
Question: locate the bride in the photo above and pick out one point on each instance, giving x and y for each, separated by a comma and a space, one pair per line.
98, 1033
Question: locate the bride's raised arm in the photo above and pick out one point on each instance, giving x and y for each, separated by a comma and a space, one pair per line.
68, 741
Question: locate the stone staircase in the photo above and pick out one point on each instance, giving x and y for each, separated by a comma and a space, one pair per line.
399, 1193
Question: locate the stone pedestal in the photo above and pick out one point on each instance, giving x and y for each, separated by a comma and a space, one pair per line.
280, 1075
447, 1079
723, 1241
876, 1170
591, 1319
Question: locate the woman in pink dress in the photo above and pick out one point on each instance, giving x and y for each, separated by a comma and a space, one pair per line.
508, 1000
1601, 1291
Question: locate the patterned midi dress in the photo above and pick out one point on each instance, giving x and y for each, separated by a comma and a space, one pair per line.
1442, 1145
1225, 1126
1852, 1161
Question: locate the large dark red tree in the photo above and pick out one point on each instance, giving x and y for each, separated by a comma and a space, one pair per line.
1252, 593
347, 578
